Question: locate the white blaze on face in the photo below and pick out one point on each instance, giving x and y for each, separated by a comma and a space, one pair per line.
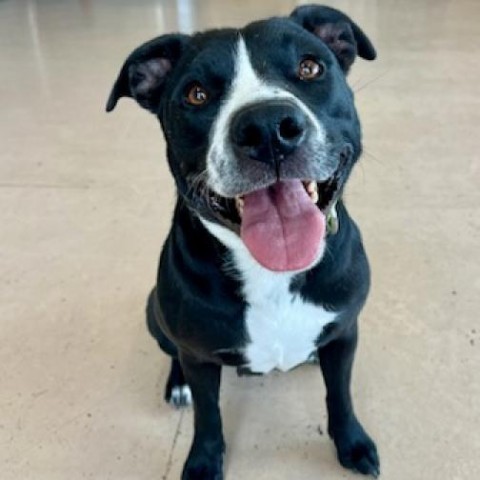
247, 88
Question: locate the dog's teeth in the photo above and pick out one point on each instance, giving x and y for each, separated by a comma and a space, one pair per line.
312, 190
310, 186
239, 204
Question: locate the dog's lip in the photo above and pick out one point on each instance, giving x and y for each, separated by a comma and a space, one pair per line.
323, 194
333, 182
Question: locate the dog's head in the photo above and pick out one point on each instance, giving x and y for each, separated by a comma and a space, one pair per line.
260, 124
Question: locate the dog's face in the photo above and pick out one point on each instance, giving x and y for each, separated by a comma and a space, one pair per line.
260, 124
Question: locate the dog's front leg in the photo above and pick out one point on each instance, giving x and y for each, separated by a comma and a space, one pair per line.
205, 460
355, 448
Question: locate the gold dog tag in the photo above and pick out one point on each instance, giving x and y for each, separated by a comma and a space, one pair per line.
332, 220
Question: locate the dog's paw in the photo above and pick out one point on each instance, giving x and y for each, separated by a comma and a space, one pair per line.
200, 467
179, 396
356, 450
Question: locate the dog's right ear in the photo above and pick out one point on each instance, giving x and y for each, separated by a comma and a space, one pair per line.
144, 72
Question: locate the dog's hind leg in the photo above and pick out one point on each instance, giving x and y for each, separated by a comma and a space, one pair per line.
153, 313
177, 392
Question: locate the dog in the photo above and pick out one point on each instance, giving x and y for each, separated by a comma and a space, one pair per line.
263, 265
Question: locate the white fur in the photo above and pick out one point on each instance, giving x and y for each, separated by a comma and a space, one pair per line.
247, 88
181, 396
281, 326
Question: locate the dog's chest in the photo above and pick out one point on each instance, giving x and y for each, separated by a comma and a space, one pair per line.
281, 326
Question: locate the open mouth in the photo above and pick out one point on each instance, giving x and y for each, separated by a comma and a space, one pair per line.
322, 194
283, 225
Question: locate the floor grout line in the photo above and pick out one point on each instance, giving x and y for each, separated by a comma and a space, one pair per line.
168, 467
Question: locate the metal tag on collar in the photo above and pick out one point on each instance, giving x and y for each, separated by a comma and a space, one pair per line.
332, 220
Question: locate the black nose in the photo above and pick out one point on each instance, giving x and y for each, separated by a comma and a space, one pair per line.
268, 132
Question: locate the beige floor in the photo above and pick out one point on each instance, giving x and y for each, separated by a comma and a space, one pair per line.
85, 204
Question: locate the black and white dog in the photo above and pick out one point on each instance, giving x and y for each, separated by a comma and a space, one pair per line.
263, 266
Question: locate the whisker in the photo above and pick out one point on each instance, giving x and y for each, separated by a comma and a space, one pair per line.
372, 156
199, 188
369, 82
198, 183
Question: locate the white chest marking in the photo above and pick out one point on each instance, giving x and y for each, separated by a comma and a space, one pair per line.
281, 326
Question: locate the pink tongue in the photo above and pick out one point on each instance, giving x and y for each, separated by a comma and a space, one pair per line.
281, 226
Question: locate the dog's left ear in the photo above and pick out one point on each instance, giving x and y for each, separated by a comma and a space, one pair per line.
343, 36
146, 70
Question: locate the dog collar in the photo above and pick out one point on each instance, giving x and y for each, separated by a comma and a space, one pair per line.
332, 220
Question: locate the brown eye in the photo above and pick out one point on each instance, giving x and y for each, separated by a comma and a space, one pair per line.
310, 69
196, 95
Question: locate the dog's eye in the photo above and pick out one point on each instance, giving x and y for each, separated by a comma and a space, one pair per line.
196, 95
309, 69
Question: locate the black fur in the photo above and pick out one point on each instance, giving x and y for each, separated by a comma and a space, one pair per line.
197, 311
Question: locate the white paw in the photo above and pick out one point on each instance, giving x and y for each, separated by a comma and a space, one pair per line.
181, 396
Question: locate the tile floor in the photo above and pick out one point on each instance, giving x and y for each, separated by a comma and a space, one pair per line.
85, 204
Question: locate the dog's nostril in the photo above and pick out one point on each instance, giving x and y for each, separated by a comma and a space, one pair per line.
251, 136
289, 129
